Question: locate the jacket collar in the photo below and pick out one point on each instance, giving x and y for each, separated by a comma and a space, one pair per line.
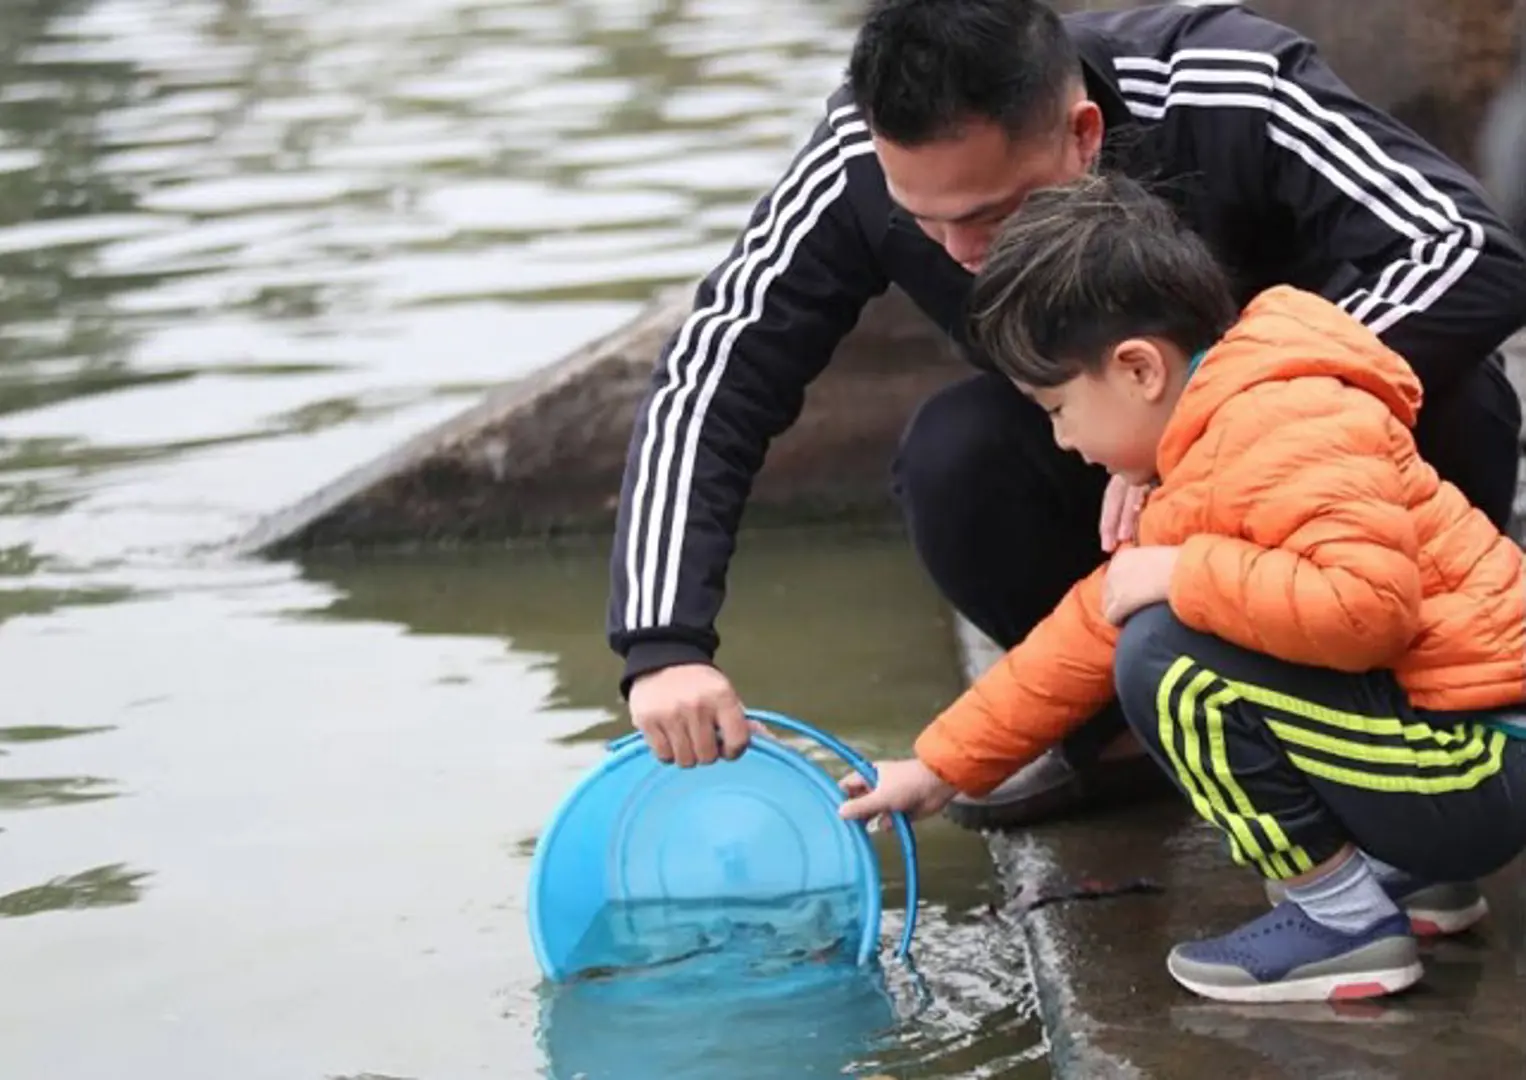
1096, 69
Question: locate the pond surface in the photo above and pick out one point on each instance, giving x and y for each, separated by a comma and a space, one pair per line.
266, 820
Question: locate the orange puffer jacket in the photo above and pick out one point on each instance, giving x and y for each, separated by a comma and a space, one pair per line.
1310, 530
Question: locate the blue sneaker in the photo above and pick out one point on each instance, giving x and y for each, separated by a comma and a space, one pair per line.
1435, 909
1286, 956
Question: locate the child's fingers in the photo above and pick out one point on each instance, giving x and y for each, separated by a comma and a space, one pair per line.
1112, 511
864, 807
854, 785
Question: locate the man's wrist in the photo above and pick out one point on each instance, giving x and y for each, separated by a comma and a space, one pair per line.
645, 657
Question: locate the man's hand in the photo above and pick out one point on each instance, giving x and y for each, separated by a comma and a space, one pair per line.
681, 709
1121, 504
1137, 578
908, 786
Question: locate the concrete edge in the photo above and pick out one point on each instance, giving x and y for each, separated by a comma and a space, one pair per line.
276, 532
1029, 865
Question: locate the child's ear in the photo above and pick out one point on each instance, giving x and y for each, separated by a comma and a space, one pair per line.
1144, 368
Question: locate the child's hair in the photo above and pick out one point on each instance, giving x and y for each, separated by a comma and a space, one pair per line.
1085, 265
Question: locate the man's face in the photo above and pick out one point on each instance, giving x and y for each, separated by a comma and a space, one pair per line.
960, 189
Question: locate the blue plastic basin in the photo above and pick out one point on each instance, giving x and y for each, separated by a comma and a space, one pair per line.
645, 865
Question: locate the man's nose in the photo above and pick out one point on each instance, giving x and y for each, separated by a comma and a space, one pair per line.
965, 246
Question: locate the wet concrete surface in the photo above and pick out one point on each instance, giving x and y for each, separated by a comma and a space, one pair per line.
1111, 1010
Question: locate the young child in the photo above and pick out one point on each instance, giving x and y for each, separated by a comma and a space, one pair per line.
1321, 643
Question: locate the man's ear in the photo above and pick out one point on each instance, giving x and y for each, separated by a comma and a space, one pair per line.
1085, 126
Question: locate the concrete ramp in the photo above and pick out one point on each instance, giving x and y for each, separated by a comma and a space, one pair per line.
544, 456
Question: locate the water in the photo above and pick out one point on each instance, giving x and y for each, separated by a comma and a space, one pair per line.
766, 992
741, 1011
273, 820
749, 938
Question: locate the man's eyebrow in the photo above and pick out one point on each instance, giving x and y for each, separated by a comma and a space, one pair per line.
977, 213
973, 214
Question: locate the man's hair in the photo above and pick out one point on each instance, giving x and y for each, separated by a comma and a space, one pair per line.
921, 69
1085, 265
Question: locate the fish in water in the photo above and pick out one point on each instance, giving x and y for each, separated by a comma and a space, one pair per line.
823, 949
604, 972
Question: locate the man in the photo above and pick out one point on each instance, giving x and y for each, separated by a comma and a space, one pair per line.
954, 111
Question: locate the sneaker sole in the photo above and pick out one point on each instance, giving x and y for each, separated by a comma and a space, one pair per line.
1355, 986
1441, 923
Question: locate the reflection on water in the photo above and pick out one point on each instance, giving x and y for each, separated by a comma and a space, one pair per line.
51, 791
40, 733
248, 235
272, 822
98, 887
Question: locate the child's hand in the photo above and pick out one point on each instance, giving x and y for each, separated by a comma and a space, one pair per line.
1122, 504
907, 786
1137, 578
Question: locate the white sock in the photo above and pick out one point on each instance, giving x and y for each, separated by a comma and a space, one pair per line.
1347, 898
1384, 872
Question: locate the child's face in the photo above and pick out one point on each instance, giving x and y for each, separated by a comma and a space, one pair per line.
1116, 417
